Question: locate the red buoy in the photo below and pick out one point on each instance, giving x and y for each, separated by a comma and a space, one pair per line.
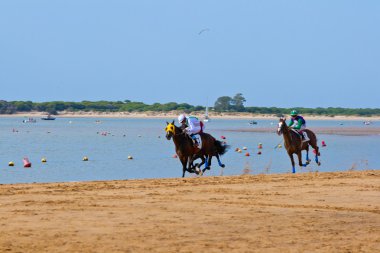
247, 154
324, 144
27, 164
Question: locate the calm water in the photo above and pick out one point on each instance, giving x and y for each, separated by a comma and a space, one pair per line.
65, 141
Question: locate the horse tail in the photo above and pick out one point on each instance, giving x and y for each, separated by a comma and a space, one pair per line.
221, 148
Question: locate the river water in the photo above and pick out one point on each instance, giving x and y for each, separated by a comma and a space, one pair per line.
107, 142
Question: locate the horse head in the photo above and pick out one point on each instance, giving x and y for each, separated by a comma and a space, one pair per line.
281, 125
170, 130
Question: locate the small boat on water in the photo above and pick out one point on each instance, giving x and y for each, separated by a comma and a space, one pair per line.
29, 120
49, 117
253, 122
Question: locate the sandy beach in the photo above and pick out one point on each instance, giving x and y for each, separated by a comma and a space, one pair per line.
307, 212
174, 115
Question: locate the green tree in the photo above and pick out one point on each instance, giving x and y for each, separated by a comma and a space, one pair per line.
237, 102
223, 104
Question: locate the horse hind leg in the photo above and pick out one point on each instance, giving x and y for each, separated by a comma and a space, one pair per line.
299, 154
208, 163
307, 155
316, 148
219, 162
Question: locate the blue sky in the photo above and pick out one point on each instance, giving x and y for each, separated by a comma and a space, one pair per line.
277, 53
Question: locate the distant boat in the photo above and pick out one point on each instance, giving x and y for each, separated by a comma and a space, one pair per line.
206, 117
29, 120
253, 122
367, 123
49, 117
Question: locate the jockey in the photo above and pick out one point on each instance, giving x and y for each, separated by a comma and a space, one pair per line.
191, 125
298, 123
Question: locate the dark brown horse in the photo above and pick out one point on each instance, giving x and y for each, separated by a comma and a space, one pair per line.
187, 153
294, 145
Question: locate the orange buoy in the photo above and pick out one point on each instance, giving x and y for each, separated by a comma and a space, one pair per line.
27, 163
223, 137
247, 154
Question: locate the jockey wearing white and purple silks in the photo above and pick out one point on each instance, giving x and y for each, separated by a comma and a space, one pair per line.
193, 124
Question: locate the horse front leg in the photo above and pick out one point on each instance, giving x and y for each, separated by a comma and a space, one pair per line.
199, 165
184, 163
299, 154
292, 160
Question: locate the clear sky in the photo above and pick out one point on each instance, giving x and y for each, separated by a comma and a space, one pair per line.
277, 53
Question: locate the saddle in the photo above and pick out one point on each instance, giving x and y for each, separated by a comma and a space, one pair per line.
299, 132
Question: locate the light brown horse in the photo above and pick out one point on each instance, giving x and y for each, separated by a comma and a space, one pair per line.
294, 144
187, 153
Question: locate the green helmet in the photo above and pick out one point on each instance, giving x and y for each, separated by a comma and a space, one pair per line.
293, 113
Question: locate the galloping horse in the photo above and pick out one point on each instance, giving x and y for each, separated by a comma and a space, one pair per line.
186, 152
294, 145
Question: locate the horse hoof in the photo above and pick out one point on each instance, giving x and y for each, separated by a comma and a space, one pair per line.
207, 168
223, 165
319, 163
308, 162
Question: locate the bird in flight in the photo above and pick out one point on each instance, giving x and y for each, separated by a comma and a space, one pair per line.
203, 30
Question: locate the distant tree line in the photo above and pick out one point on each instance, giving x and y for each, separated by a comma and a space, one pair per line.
222, 104
98, 106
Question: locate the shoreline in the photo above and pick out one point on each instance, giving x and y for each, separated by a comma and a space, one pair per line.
174, 115
305, 212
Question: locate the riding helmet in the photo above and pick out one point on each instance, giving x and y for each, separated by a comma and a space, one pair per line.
293, 113
181, 118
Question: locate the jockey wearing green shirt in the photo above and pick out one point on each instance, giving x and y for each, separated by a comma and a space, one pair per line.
298, 123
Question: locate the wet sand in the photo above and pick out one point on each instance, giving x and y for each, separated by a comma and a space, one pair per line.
307, 212
351, 131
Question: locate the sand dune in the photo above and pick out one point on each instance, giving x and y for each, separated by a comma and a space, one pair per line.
309, 212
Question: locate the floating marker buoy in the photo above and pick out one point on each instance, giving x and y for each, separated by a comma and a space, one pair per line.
279, 146
139, 136
260, 146
85, 158
244, 148
236, 149
223, 137
259, 153
175, 156
247, 154
130, 157
27, 164
324, 144
11, 164
239, 151
43, 160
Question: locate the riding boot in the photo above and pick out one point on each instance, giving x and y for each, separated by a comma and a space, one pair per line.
305, 137
195, 143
